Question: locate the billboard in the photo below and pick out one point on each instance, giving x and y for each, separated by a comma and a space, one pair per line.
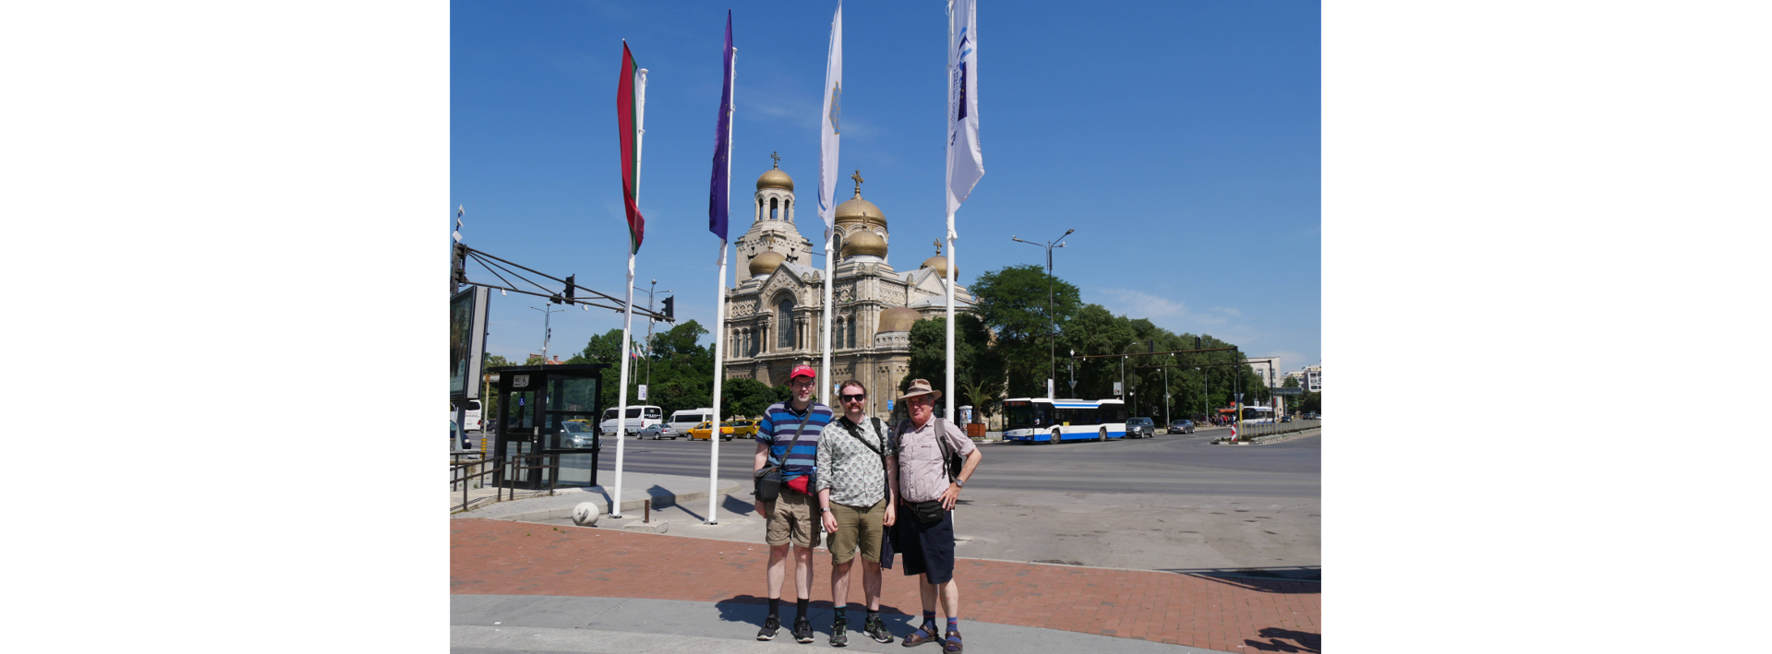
467, 342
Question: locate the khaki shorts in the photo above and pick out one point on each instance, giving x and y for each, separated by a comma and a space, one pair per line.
858, 527
791, 518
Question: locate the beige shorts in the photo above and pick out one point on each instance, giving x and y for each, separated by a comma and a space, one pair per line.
858, 528
791, 519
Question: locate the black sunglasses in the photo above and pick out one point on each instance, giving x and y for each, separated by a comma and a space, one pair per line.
853, 398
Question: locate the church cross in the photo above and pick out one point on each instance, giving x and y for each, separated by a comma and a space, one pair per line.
777, 157
857, 178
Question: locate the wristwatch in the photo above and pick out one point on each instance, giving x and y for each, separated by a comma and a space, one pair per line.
960, 482
827, 509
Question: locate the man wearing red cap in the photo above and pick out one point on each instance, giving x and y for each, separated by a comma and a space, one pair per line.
787, 437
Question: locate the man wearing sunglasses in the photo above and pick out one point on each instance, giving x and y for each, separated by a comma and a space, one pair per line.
857, 470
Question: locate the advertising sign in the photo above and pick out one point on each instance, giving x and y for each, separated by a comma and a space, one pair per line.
467, 342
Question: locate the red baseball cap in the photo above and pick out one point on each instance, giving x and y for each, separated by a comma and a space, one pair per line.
802, 370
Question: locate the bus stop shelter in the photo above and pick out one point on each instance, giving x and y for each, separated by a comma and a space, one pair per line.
548, 410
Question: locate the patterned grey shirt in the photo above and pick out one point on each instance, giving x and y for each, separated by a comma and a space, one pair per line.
851, 470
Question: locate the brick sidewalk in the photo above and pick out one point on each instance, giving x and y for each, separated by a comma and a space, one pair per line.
1230, 615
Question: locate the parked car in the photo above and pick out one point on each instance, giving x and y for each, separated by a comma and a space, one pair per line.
1140, 428
739, 428
658, 431
1286, 418
705, 431
1183, 426
578, 435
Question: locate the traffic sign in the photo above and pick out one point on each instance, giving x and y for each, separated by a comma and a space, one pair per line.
1286, 391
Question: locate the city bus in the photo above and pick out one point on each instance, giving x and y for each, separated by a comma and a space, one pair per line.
1040, 420
1252, 415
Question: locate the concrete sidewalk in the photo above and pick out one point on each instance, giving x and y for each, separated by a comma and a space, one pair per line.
519, 584
637, 488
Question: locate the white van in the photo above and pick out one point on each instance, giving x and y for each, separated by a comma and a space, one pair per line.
682, 421
639, 417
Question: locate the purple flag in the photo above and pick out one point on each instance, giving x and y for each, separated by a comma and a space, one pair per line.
720, 187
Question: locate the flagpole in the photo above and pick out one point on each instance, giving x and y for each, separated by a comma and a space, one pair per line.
720, 322
627, 328
952, 266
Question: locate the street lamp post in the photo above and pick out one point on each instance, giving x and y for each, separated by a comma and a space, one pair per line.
649, 320
1052, 328
547, 331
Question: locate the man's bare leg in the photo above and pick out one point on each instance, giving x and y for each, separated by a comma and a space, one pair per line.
777, 570
870, 584
840, 583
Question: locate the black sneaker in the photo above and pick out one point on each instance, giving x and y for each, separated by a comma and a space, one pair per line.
771, 624
876, 629
802, 630
838, 637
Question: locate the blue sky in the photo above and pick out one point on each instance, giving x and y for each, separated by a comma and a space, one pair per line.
1180, 140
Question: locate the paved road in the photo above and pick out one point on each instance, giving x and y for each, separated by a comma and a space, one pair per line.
1167, 465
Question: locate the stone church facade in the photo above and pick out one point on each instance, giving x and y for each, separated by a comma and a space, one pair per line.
775, 312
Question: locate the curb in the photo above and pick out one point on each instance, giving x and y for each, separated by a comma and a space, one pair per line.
660, 499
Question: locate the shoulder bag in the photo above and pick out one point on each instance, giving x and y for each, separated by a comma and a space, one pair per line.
768, 478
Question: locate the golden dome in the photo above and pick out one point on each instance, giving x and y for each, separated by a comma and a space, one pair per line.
898, 319
766, 263
864, 242
857, 210
940, 264
774, 178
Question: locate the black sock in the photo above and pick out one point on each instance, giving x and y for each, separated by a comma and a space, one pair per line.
775, 607
800, 606
842, 616
873, 615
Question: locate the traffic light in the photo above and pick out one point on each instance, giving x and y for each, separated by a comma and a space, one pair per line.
670, 310
458, 264
1197, 344
569, 288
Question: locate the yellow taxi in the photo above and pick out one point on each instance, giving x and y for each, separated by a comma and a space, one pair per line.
739, 428
705, 430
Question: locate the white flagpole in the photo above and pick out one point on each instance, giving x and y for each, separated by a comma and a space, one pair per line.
627, 328
947, 181
720, 322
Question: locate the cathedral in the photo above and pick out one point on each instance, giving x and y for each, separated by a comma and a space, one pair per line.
775, 313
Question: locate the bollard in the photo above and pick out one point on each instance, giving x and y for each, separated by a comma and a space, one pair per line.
647, 519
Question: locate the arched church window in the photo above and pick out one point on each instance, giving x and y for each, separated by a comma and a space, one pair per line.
851, 322
773, 212
784, 316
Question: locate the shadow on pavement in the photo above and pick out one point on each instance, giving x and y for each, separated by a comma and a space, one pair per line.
1306, 642
738, 506
752, 609
1292, 579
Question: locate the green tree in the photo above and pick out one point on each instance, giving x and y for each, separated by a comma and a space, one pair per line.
978, 366
746, 397
1013, 302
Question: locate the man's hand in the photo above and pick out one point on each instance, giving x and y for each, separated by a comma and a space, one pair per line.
891, 515
830, 522
760, 511
948, 498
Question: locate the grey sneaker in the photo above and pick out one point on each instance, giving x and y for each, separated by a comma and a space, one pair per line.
838, 636
876, 629
802, 630
771, 625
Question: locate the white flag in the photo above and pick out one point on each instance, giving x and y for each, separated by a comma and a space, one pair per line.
828, 131
965, 157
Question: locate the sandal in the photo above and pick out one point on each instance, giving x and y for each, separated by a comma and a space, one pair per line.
952, 644
923, 634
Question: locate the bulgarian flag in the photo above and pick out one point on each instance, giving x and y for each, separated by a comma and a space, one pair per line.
627, 112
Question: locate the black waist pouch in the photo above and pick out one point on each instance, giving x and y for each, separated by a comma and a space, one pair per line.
929, 512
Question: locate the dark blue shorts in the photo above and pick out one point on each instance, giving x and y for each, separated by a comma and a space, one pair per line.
927, 548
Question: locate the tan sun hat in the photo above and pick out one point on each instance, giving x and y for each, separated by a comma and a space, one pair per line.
919, 387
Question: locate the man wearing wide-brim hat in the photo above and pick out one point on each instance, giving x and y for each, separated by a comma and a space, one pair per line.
928, 491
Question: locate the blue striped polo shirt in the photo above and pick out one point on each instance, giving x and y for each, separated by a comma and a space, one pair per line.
777, 429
